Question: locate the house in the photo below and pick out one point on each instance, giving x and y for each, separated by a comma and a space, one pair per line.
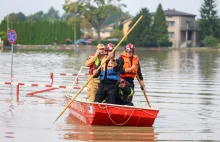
181, 28
105, 32
126, 25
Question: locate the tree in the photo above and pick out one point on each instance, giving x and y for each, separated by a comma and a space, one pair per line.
94, 11
21, 16
116, 33
12, 17
160, 30
38, 16
210, 41
118, 17
209, 22
52, 14
141, 34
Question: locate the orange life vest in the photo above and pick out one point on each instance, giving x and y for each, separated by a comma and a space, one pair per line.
128, 63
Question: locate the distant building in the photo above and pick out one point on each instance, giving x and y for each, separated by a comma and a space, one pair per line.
126, 25
105, 32
181, 28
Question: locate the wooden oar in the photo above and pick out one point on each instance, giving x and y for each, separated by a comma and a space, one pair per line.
98, 69
144, 92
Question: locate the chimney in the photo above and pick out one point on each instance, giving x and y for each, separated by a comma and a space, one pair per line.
173, 9
168, 9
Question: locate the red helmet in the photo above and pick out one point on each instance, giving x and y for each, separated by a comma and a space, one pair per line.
109, 47
129, 48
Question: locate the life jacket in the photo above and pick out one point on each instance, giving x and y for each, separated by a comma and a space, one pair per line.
92, 67
111, 74
128, 63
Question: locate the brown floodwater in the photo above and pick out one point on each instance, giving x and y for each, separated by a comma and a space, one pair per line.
183, 84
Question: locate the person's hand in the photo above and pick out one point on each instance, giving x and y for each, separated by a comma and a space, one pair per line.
111, 55
97, 53
133, 67
121, 85
143, 89
95, 72
113, 62
128, 98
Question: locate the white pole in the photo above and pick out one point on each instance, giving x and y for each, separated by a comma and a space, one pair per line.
7, 24
74, 32
12, 63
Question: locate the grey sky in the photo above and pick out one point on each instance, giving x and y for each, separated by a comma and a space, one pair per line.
133, 6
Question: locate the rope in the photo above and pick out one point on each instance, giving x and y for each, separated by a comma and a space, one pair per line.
114, 121
106, 107
149, 113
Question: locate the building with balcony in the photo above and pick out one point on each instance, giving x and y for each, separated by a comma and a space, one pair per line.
181, 28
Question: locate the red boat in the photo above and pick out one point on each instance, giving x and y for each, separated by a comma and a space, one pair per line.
108, 114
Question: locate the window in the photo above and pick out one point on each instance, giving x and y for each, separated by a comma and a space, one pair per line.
170, 23
171, 34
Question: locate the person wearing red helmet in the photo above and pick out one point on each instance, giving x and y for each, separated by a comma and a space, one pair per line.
109, 75
131, 65
93, 60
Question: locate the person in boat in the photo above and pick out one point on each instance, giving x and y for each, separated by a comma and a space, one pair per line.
125, 93
131, 65
93, 60
109, 75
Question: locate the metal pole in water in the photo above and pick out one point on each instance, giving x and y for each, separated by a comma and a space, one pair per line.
12, 63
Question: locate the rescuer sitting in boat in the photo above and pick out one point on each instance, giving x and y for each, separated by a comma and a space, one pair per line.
109, 76
125, 93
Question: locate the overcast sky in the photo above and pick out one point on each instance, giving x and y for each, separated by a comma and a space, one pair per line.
133, 6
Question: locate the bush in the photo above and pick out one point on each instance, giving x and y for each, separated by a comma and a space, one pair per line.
3, 37
210, 41
117, 34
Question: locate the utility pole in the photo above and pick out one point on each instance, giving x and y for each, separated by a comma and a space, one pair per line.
7, 25
74, 32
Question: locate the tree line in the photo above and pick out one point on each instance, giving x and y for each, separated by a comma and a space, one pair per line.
209, 23
42, 32
99, 13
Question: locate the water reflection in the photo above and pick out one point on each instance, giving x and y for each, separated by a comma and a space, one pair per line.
207, 63
81, 131
184, 84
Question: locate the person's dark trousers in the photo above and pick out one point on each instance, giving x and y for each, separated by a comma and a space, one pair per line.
106, 91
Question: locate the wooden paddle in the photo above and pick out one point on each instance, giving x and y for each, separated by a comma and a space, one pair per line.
98, 69
144, 92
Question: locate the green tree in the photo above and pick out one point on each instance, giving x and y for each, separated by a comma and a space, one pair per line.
141, 34
21, 16
160, 30
210, 41
116, 33
38, 16
52, 14
3, 37
94, 11
209, 22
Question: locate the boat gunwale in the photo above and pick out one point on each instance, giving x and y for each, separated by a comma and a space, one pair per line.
106, 104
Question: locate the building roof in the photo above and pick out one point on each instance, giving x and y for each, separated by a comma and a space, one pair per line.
127, 20
173, 12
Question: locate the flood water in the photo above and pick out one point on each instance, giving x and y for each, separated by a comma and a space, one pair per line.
183, 84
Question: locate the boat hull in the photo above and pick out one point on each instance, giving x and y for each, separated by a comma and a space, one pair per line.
109, 114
